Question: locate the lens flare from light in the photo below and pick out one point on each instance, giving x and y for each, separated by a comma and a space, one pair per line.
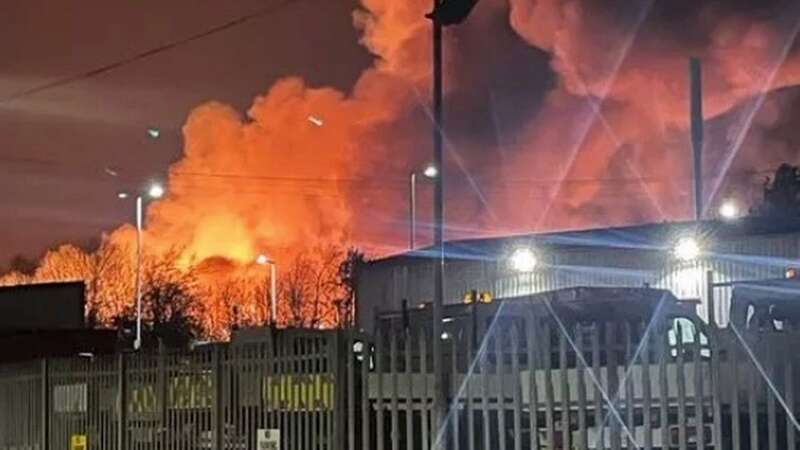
687, 249
523, 260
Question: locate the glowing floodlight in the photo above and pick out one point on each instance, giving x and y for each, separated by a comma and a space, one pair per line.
687, 249
523, 260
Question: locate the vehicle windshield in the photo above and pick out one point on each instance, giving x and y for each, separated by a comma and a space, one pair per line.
684, 334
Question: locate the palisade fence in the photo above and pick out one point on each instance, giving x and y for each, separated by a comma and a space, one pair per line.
519, 382
215, 397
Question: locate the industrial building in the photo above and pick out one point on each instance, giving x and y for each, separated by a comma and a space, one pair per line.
677, 256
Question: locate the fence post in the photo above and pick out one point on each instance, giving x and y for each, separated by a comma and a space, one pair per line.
122, 425
710, 303
338, 360
161, 393
45, 405
218, 428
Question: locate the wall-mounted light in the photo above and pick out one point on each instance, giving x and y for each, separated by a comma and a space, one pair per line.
687, 249
523, 260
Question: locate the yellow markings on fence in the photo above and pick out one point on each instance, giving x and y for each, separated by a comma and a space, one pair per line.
77, 442
189, 392
142, 399
183, 392
278, 392
298, 392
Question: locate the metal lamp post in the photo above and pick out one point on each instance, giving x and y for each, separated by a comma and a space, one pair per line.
263, 260
430, 172
155, 191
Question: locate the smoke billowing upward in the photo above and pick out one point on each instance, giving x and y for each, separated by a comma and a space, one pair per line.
561, 113
620, 106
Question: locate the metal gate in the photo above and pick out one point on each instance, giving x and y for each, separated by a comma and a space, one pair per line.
522, 382
517, 382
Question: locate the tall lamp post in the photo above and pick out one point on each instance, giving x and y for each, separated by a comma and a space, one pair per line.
155, 191
430, 172
263, 260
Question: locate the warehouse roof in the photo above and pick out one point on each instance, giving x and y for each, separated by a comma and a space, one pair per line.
651, 236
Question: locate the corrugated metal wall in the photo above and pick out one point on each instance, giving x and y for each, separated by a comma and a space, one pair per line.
756, 257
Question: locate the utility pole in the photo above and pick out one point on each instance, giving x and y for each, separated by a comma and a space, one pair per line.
445, 13
696, 111
439, 400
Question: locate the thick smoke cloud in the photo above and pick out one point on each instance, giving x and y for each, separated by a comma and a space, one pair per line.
560, 113
620, 106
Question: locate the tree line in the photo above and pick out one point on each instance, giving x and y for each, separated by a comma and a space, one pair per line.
205, 300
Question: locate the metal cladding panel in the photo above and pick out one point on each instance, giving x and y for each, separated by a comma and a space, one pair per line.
740, 259
568, 268
754, 258
53, 306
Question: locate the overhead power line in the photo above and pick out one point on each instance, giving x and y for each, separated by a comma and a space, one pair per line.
236, 176
500, 181
268, 10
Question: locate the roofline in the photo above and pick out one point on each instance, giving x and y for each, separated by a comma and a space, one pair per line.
742, 227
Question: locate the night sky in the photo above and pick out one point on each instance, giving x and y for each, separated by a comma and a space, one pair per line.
55, 145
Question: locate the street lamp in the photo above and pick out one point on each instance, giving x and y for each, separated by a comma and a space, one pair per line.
430, 172
523, 260
154, 191
263, 260
729, 210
